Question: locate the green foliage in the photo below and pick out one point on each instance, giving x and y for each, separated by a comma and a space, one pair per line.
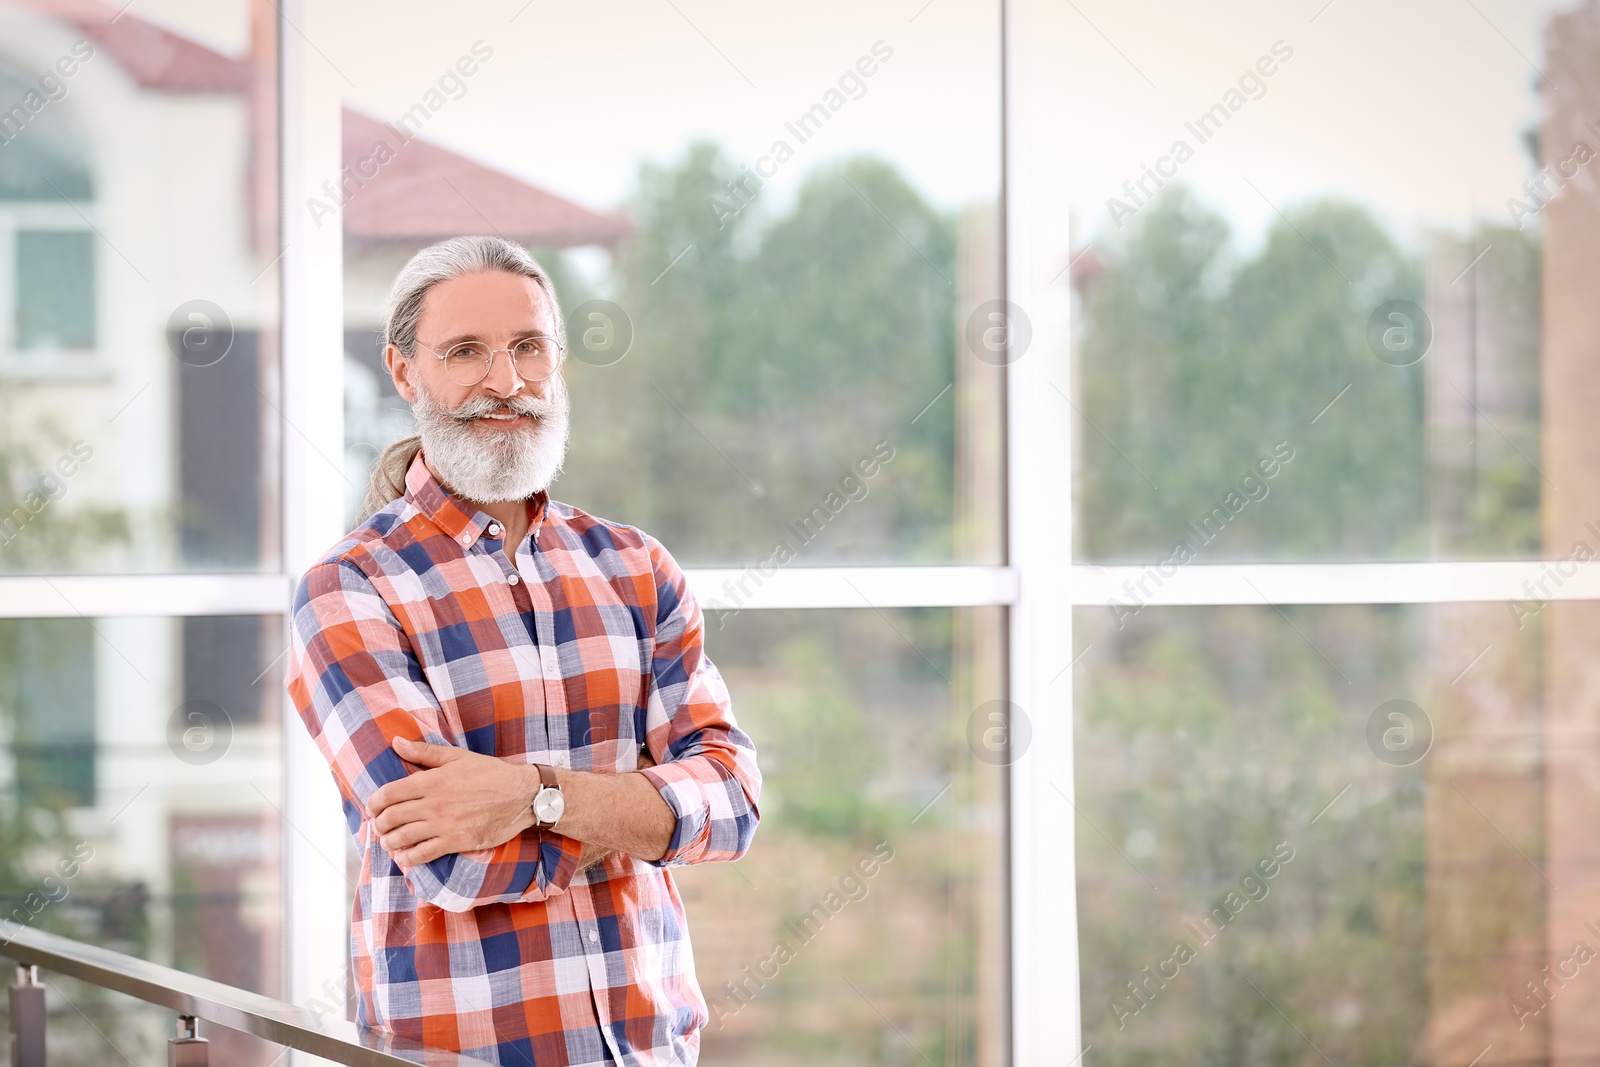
40, 535
1193, 366
40, 530
1206, 737
47, 705
817, 746
839, 714
770, 356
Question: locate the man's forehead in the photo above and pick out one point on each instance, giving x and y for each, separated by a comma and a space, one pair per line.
487, 302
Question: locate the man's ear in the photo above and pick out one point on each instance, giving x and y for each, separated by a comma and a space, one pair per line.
401, 370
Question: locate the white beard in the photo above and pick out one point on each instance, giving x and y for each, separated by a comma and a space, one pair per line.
496, 466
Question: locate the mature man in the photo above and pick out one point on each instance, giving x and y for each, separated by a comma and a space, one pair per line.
517, 707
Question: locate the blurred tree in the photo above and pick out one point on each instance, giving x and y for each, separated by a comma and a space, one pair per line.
38, 531
1208, 740
47, 743
1193, 366
770, 357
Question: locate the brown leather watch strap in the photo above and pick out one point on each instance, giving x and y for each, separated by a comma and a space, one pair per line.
547, 780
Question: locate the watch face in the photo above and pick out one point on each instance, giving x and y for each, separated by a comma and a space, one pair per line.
549, 804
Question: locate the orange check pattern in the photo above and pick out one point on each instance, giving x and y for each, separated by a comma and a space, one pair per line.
579, 646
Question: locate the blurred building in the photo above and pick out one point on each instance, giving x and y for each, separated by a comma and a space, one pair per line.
1511, 392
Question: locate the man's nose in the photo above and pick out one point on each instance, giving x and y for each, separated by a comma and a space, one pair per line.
502, 379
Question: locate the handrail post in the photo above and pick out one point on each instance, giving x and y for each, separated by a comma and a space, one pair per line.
27, 1019
188, 1049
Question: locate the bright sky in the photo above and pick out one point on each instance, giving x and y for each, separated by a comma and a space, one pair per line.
1415, 109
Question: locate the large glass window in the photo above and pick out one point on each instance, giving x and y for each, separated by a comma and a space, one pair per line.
141, 716
1307, 829
1304, 289
867, 924
1328, 827
1262, 272
140, 809
138, 229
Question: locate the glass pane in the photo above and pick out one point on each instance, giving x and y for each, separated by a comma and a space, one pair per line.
866, 924
140, 799
1359, 831
1311, 326
770, 266
138, 296
55, 290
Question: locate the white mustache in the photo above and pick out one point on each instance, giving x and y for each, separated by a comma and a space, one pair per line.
480, 406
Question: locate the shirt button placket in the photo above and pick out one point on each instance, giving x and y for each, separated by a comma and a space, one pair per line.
583, 910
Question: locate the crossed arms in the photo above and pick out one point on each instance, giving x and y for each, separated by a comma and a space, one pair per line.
460, 829
466, 801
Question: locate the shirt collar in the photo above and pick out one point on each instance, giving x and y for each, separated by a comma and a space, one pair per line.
461, 520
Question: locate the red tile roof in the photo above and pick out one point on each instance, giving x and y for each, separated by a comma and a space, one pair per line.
153, 57
419, 191
422, 192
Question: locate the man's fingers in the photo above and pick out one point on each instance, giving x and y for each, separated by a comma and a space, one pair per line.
398, 814
407, 836
411, 787
424, 754
418, 854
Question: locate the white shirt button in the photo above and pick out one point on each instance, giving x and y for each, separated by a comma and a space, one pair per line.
494, 529
594, 935
466, 538
514, 579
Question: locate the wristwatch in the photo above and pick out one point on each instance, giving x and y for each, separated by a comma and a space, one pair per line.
548, 803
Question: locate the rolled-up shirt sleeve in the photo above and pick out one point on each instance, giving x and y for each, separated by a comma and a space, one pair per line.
705, 765
357, 685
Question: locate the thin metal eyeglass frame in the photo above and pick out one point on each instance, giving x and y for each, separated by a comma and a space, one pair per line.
561, 357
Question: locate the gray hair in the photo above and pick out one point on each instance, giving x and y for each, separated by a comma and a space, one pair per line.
439, 262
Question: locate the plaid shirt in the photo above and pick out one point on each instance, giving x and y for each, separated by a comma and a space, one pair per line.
584, 646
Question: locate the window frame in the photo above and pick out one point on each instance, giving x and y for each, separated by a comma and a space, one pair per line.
60, 217
1037, 584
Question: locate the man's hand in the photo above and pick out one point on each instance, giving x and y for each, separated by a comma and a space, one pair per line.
462, 801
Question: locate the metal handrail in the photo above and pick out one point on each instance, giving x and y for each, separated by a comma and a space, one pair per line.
238, 1009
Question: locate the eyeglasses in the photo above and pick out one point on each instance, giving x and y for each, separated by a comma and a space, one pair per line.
534, 358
